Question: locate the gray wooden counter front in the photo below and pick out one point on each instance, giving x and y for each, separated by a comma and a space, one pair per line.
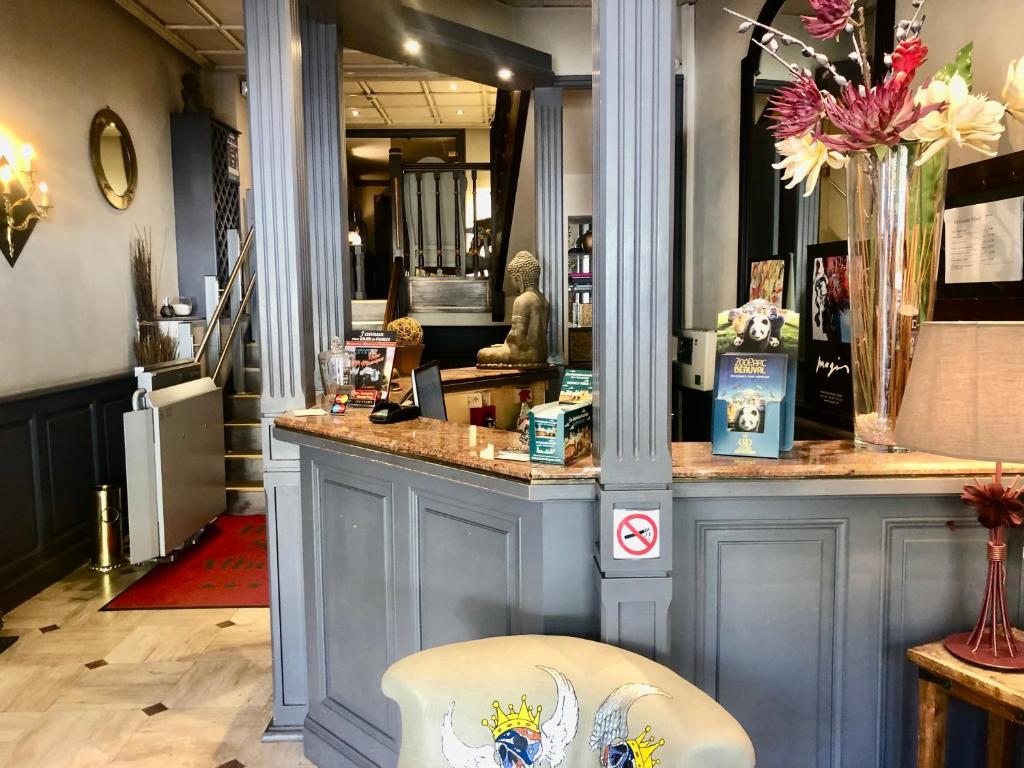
794, 601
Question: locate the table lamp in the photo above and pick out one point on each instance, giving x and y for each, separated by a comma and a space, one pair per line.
959, 402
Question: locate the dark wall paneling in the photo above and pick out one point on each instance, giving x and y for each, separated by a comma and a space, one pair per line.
55, 445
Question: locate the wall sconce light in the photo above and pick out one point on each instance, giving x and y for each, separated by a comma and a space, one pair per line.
19, 211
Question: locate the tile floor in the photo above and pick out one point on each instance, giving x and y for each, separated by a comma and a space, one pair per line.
135, 689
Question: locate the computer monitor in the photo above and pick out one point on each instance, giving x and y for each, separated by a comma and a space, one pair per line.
428, 393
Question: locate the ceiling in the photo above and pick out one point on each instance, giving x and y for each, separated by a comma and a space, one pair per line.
377, 92
210, 32
380, 93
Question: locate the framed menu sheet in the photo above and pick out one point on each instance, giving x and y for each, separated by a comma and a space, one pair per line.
981, 267
985, 242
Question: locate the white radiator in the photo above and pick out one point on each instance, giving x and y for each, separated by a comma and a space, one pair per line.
174, 452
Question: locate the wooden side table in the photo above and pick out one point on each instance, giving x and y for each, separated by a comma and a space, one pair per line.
1000, 694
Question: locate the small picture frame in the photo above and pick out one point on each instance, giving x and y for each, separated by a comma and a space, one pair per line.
769, 280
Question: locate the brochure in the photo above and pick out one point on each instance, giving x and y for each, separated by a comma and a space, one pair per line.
759, 327
369, 359
748, 405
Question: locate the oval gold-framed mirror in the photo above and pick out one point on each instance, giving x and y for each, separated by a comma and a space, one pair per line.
113, 158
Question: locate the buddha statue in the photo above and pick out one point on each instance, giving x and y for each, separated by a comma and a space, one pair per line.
526, 345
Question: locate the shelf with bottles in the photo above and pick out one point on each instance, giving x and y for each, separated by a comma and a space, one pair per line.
580, 289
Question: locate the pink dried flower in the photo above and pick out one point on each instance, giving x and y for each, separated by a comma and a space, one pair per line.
830, 18
869, 117
796, 109
996, 506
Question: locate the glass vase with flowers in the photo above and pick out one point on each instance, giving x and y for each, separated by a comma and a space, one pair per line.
894, 141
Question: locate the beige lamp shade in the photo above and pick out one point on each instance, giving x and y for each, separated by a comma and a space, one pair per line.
962, 398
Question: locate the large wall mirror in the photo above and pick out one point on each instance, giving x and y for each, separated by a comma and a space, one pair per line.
113, 158
775, 220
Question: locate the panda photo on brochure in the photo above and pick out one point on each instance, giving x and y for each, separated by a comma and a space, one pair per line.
747, 418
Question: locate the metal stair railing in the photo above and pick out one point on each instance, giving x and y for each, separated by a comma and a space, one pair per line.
225, 294
213, 320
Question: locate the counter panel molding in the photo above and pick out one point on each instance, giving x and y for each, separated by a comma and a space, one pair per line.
454, 540
396, 562
796, 613
792, 600
932, 574
773, 590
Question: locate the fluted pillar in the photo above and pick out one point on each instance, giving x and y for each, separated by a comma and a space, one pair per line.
633, 97
302, 274
547, 122
330, 264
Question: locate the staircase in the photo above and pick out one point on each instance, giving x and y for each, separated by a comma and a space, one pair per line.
243, 458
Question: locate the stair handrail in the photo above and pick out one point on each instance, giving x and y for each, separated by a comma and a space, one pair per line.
214, 319
242, 306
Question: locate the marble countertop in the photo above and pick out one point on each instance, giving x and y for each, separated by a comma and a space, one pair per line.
822, 458
458, 445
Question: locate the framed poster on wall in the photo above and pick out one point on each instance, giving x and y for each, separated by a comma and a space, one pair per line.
827, 367
769, 279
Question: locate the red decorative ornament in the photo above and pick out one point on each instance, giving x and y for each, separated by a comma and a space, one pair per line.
908, 57
991, 643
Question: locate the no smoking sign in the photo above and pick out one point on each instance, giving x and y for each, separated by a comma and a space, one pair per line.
637, 534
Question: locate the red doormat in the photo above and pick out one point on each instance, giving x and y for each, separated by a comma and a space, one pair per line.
226, 568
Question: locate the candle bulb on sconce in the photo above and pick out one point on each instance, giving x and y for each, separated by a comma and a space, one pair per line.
27, 153
44, 191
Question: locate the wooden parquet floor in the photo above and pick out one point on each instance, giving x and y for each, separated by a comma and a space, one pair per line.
135, 689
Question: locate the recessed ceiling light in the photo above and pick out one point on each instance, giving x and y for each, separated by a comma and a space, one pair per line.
454, 86
355, 113
412, 46
460, 112
505, 73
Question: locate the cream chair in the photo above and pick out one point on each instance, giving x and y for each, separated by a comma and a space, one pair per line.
518, 702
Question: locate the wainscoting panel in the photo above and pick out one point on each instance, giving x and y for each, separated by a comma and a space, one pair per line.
21, 539
933, 575
796, 613
358, 604
56, 444
397, 560
774, 590
468, 583
70, 470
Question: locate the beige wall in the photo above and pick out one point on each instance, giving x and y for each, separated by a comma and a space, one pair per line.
714, 86
66, 312
578, 153
995, 27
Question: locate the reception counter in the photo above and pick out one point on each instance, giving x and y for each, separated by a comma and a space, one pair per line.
797, 585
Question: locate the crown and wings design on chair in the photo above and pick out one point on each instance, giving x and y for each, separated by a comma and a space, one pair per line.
520, 740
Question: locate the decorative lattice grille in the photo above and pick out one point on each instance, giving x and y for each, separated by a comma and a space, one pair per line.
225, 194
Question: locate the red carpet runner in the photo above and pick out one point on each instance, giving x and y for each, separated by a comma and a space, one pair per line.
227, 568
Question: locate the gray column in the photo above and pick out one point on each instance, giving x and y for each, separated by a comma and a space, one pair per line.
328, 183
273, 55
301, 267
633, 92
547, 126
